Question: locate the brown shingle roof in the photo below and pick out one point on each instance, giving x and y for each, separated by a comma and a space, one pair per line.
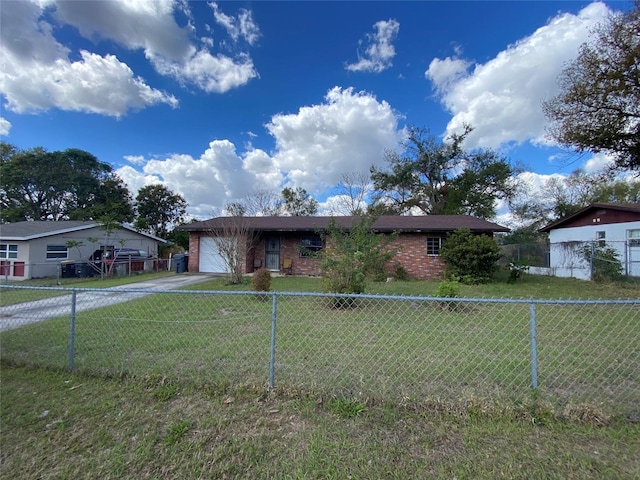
627, 207
385, 223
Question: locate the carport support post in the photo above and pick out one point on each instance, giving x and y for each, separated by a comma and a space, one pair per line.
272, 360
534, 346
72, 330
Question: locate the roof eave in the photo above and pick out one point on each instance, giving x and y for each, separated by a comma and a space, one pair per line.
560, 221
51, 233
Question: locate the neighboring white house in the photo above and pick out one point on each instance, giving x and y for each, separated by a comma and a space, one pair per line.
36, 249
614, 225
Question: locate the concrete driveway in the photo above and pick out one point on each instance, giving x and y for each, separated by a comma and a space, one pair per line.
17, 315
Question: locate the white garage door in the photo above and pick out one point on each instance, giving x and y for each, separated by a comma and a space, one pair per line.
210, 260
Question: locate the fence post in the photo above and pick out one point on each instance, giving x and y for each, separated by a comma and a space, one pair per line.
534, 345
272, 359
72, 330
592, 259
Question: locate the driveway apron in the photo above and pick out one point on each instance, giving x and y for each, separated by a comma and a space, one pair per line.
17, 315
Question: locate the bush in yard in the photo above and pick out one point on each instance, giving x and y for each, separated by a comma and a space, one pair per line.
470, 257
351, 257
605, 262
448, 289
400, 273
343, 275
516, 270
261, 280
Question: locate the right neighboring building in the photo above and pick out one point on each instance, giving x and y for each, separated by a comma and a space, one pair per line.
611, 225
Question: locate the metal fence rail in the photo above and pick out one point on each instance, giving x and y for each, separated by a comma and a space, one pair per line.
66, 270
574, 259
392, 348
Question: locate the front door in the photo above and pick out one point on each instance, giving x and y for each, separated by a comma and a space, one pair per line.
272, 253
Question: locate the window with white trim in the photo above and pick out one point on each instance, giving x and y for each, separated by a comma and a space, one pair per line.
55, 252
601, 237
8, 250
433, 245
633, 236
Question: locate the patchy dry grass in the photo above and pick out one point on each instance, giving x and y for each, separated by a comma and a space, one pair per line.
529, 286
60, 425
384, 349
128, 415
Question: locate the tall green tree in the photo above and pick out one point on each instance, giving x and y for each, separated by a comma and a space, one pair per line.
298, 203
7, 151
39, 185
536, 206
598, 108
113, 199
441, 178
159, 209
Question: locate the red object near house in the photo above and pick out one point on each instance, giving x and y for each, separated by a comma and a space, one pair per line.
18, 269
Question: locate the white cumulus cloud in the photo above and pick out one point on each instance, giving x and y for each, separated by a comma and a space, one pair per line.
148, 25
135, 159
39, 74
502, 98
349, 131
151, 26
217, 176
377, 50
445, 73
5, 126
211, 73
241, 27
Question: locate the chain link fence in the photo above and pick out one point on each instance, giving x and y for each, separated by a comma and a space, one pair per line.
579, 259
69, 270
365, 346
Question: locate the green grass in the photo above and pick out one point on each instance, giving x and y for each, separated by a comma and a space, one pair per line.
56, 425
174, 386
529, 286
384, 349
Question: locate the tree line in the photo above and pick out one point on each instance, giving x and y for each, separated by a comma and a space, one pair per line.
37, 184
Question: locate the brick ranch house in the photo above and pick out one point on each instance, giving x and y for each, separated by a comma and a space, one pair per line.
282, 244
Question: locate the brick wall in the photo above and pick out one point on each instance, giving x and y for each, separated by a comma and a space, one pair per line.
194, 252
289, 248
412, 255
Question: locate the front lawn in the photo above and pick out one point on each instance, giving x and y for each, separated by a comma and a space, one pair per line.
528, 286
384, 348
57, 426
173, 385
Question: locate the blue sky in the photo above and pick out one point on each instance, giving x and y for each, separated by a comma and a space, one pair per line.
217, 99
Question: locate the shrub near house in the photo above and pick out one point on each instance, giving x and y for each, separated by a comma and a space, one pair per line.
472, 258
